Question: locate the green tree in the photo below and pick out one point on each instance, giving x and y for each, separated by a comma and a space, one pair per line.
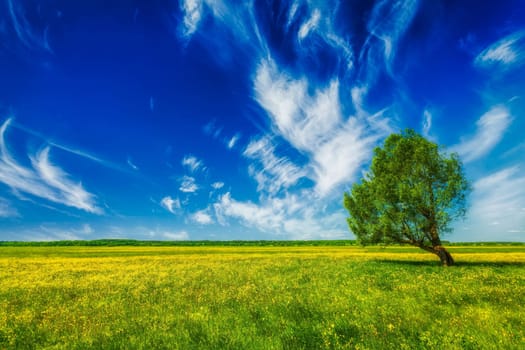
410, 195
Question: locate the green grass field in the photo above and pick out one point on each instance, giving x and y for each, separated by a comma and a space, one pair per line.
309, 297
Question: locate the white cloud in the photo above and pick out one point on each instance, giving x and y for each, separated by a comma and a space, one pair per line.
490, 129
232, 17
44, 180
313, 124
304, 120
235, 18
66, 191
337, 161
192, 163
267, 218
344, 48
427, 122
69, 149
320, 18
506, 52
25, 33
233, 141
240, 21
131, 164
217, 185
309, 25
188, 185
170, 204
388, 22
273, 173
212, 129
291, 13
88, 156
294, 216
192, 10
308, 115
358, 94
498, 207
176, 236
202, 217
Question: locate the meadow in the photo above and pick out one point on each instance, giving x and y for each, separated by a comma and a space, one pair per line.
261, 297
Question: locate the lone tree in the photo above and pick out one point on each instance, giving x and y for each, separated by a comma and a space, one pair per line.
410, 195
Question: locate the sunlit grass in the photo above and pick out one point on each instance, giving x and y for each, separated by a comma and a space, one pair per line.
260, 298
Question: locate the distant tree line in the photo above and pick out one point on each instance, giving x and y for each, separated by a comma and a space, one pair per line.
202, 243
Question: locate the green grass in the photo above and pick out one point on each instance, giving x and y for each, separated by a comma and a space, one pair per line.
306, 297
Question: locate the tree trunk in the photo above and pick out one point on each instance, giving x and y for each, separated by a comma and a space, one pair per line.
441, 252
444, 255
437, 248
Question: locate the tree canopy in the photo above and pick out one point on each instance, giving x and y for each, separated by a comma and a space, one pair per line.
410, 195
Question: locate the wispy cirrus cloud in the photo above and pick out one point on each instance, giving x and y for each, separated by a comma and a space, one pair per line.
426, 123
188, 184
313, 124
217, 185
192, 10
66, 191
292, 12
216, 132
304, 120
387, 24
490, 129
306, 115
192, 163
131, 164
308, 112
89, 156
233, 141
338, 161
309, 25
73, 150
44, 180
235, 16
317, 34
505, 53
170, 204
272, 173
25, 32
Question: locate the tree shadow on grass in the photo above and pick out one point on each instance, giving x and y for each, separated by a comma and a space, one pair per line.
457, 263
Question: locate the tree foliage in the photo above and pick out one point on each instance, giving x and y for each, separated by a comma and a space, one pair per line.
410, 195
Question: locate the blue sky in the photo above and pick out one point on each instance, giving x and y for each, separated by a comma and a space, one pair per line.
205, 119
